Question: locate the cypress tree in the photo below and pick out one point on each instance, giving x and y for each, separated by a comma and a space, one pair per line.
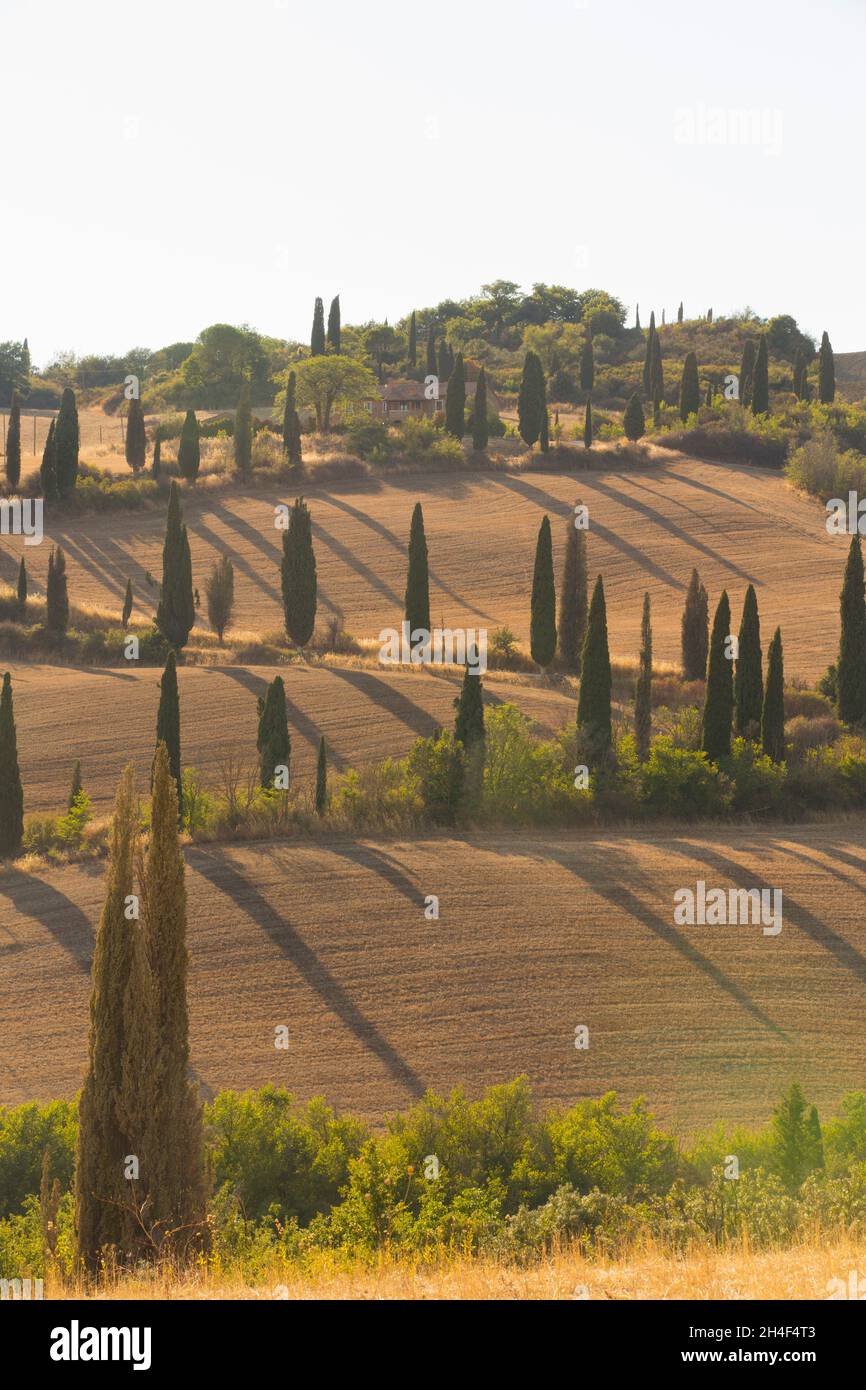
243, 434
469, 730
801, 370
322, 777
543, 605
417, 604
413, 341
298, 575
719, 703
156, 463
648, 357
189, 448
593, 706
13, 443
637, 317
48, 467
334, 328
748, 678
644, 686
136, 436
544, 436
657, 378
761, 379
695, 630
127, 605
680, 313
573, 600
432, 368
747, 370
455, 400
709, 315
773, 711
66, 440
826, 373
11, 790
444, 367
480, 427
168, 723
220, 592
851, 666
587, 365
22, 588
178, 1194
587, 426
175, 615
531, 402
76, 788
56, 595
690, 388
633, 421
317, 336
273, 742
289, 413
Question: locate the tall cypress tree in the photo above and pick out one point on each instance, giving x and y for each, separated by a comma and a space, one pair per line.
273, 742
11, 790
127, 605
633, 421
56, 595
413, 341
289, 411
773, 711
543, 606
761, 379
573, 600
432, 364
480, 426
587, 365
587, 426
637, 318
48, 467
322, 779
136, 436
851, 666
13, 443
695, 630
593, 706
298, 575
66, 442
243, 434
168, 723
175, 615
648, 358
317, 336
719, 703
455, 400
189, 448
156, 461
748, 679
657, 378
178, 1194
334, 327
22, 588
680, 313
531, 403
801, 372
644, 686
690, 388
417, 604
747, 371
826, 372
469, 730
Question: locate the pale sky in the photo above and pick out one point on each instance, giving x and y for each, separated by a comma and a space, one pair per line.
176, 163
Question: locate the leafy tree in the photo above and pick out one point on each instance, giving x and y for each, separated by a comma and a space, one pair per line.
543, 606
593, 706
633, 421
273, 742
136, 436
127, 605
695, 630
243, 435
298, 573
587, 426
220, 593
66, 441
796, 1139
761, 379
189, 448
11, 790
587, 366
719, 702
334, 331
175, 615
690, 388
531, 405
480, 425
413, 341
851, 666
455, 400
48, 467
22, 588
168, 723
417, 605
322, 779
317, 337
826, 372
773, 712
56, 595
13, 443
644, 686
573, 600
328, 382
748, 679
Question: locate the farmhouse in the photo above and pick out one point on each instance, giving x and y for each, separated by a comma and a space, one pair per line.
396, 399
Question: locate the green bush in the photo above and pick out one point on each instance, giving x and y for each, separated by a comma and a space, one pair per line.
681, 782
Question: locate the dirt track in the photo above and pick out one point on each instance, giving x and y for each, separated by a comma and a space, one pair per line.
537, 935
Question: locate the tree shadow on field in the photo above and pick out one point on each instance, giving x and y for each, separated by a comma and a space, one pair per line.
299, 721
781, 847
33, 897
364, 572
271, 553
549, 503
223, 876
392, 701
387, 868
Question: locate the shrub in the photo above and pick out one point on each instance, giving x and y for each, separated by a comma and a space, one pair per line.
523, 778
802, 733
267, 450
437, 766
681, 782
370, 440
758, 782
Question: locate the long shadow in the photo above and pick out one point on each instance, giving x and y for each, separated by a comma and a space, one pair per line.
69, 926
270, 553
205, 533
85, 559
548, 502
346, 555
299, 721
387, 868
843, 951
823, 867
104, 671
391, 700
226, 879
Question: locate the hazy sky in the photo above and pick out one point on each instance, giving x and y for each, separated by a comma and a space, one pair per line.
175, 163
